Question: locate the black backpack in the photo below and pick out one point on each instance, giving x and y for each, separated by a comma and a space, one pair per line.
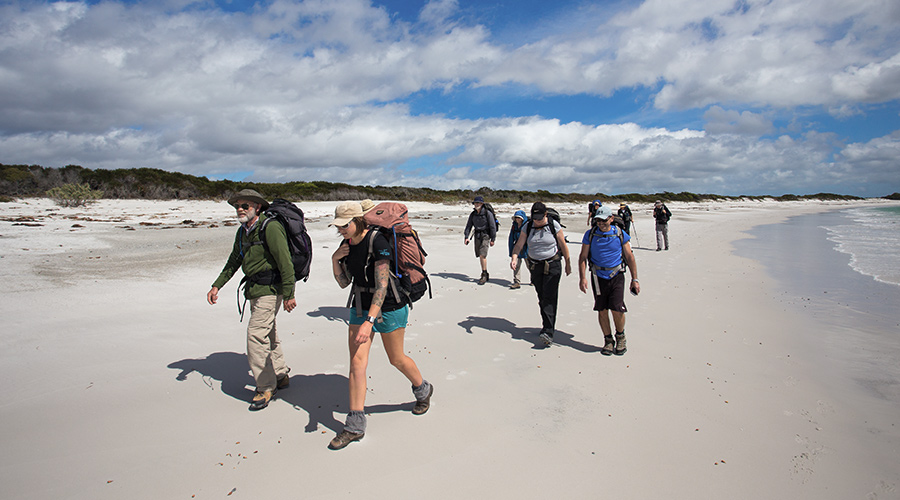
489, 208
552, 213
299, 243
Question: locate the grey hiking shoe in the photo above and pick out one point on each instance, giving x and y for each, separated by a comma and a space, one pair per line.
423, 405
484, 277
546, 339
620, 344
609, 345
343, 439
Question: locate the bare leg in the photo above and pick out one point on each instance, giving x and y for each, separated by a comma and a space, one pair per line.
393, 345
359, 361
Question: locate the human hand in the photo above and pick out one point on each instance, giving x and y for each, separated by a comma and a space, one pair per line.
364, 333
467, 241
290, 304
212, 295
582, 285
341, 252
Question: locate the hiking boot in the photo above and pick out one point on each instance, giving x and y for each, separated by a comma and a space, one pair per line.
620, 344
284, 381
343, 439
261, 400
515, 286
546, 339
484, 278
609, 345
423, 405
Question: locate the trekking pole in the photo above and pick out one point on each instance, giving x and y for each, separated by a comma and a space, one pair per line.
634, 230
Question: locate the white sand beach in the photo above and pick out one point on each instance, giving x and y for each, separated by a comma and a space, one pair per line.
120, 381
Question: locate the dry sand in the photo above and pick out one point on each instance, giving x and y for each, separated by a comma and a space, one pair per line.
121, 382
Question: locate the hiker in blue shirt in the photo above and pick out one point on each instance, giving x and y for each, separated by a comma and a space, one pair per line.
519, 220
607, 251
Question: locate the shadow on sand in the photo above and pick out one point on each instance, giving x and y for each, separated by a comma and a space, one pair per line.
331, 313
455, 276
530, 335
320, 395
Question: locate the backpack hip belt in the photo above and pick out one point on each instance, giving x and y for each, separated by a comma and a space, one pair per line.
545, 262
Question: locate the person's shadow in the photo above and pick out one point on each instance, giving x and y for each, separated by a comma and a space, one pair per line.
454, 276
530, 335
319, 395
331, 313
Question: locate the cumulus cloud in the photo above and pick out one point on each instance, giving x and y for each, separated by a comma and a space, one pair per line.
316, 89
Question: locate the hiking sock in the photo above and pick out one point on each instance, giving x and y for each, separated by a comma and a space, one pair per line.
421, 392
356, 422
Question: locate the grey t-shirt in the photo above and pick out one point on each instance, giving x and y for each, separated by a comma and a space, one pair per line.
542, 243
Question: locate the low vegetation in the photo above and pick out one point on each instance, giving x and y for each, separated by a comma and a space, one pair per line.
18, 181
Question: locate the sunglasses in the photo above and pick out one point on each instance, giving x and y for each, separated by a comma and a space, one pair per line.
345, 226
242, 206
538, 216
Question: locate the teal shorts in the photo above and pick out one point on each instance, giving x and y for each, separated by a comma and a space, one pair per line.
390, 321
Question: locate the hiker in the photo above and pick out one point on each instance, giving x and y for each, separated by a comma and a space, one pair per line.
519, 220
607, 251
269, 275
483, 220
662, 215
592, 209
379, 311
546, 247
627, 217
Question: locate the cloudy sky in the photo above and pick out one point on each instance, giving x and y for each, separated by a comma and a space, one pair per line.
717, 96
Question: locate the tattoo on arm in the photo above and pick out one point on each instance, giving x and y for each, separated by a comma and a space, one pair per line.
342, 279
381, 283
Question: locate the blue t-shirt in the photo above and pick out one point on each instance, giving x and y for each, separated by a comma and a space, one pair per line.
606, 250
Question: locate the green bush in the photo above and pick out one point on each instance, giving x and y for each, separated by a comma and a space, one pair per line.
74, 195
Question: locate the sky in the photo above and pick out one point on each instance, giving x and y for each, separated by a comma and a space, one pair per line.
730, 97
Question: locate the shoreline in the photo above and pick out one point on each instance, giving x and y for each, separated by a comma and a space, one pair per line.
143, 381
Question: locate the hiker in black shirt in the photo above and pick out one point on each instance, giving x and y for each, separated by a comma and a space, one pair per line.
662, 215
483, 220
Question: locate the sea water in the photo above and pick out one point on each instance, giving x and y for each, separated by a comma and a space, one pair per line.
843, 268
871, 237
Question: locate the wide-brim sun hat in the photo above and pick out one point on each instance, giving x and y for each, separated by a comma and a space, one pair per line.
603, 212
249, 194
346, 211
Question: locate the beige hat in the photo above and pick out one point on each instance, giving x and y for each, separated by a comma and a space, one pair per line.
346, 211
367, 205
249, 194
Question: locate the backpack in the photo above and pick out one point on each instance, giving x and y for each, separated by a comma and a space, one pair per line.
299, 243
409, 280
552, 213
488, 207
594, 268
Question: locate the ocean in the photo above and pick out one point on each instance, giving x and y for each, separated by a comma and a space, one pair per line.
843, 267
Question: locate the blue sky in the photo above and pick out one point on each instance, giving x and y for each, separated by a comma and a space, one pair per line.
723, 96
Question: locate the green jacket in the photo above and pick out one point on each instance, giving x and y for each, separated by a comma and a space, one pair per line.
254, 258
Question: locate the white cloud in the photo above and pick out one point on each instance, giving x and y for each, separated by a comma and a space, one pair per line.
721, 121
310, 90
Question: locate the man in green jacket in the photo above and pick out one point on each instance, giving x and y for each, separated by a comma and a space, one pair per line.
269, 273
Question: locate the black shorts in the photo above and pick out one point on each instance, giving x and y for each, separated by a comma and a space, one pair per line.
612, 294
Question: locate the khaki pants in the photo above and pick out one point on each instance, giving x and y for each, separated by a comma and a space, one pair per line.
263, 346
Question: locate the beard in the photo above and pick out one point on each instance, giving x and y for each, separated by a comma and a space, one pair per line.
248, 216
